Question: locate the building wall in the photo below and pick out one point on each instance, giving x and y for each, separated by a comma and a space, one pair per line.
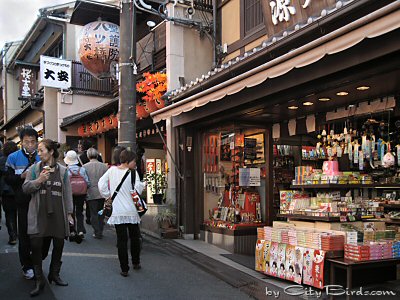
32, 118
230, 25
13, 104
50, 106
69, 105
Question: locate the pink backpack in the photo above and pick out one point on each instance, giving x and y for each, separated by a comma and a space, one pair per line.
78, 183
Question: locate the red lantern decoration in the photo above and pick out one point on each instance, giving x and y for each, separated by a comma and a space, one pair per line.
141, 112
95, 127
102, 123
81, 130
108, 122
151, 106
114, 121
99, 47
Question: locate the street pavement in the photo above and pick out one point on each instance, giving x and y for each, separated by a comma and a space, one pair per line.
92, 271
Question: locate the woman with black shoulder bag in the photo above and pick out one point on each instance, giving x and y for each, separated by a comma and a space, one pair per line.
124, 215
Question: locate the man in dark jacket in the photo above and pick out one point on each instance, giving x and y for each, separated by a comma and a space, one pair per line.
17, 164
7, 195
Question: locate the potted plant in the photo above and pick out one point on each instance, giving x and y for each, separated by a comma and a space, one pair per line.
165, 218
158, 184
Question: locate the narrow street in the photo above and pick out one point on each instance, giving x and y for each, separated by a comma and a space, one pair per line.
92, 271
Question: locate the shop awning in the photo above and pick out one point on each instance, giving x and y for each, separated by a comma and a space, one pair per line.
373, 25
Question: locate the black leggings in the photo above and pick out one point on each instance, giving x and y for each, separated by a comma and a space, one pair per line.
40, 247
125, 231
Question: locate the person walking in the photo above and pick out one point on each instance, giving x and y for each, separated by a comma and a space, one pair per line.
7, 194
83, 158
94, 200
71, 160
124, 214
17, 165
50, 211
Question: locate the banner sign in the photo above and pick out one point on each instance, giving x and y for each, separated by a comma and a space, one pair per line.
55, 73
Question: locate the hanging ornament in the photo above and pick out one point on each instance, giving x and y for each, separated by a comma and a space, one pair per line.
99, 48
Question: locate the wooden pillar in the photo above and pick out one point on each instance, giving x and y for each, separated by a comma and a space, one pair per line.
187, 194
269, 179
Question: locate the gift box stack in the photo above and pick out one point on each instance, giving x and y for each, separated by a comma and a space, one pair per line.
261, 233
387, 250
284, 237
292, 234
276, 235
268, 233
301, 238
396, 249
331, 242
375, 251
351, 237
316, 240
369, 236
356, 252
301, 173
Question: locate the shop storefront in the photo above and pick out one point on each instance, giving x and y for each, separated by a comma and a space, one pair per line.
306, 143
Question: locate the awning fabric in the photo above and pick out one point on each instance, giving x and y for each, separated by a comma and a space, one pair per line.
375, 24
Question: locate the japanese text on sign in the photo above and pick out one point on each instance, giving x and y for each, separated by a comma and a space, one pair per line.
55, 73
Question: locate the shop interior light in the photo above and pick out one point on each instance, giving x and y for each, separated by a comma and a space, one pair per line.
293, 107
324, 99
308, 103
342, 93
363, 88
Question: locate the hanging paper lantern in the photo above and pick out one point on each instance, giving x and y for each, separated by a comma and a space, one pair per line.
160, 103
108, 123
151, 106
114, 121
141, 112
95, 127
102, 123
99, 47
81, 130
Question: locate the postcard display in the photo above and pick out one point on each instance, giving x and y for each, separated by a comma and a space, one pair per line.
233, 167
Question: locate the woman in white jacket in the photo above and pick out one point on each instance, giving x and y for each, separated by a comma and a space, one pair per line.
124, 214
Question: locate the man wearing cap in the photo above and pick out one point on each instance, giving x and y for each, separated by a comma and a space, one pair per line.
71, 160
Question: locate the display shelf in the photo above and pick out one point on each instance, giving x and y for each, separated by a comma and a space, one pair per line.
311, 218
345, 186
397, 206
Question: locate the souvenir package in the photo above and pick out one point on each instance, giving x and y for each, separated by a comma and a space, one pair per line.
259, 255
290, 261
267, 247
318, 269
308, 255
298, 264
281, 260
273, 259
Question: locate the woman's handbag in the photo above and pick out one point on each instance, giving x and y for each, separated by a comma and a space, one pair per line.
107, 207
139, 203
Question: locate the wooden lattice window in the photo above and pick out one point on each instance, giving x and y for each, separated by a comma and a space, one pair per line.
253, 16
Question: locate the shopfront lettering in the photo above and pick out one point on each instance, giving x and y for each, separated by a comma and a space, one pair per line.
55, 73
26, 80
281, 11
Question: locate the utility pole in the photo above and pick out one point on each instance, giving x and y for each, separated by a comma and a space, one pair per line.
128, 71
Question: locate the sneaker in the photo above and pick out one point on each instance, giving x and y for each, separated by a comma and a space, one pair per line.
124, 274
12, 241
28, 274
137, 266
97, 236
82, 235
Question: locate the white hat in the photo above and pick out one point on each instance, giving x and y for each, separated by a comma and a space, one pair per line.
71, 158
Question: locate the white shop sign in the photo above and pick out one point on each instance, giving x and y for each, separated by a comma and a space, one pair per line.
55, 73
